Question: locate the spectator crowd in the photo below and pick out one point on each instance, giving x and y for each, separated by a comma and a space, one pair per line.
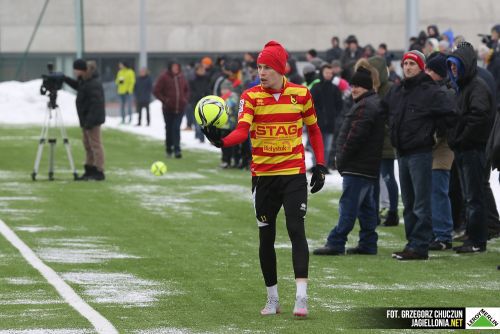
439, 119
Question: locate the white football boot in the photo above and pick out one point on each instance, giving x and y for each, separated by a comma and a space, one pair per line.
300, 309
272, 306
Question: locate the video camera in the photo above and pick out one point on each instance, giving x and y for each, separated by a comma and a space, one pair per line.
52, 82
486, 39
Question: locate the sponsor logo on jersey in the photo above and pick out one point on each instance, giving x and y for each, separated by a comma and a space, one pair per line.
283, 146
276, 130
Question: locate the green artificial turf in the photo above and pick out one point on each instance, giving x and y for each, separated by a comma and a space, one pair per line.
191, 237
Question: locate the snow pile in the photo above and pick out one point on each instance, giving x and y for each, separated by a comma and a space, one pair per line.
22, 103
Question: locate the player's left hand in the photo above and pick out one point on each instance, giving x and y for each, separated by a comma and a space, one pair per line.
318, 178
213, 135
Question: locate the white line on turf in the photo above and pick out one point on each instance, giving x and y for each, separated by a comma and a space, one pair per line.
101, 324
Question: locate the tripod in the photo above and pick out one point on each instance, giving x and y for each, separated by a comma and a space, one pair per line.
53, 118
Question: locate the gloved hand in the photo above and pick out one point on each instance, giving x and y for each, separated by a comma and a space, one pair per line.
318, 178
213, 135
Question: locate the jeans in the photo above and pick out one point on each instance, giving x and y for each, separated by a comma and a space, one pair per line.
189, 112
126, 99
198, 134
173, 132
387, 174
140, 106
415, 176
357, 201
442, 223
327, 144
471, 170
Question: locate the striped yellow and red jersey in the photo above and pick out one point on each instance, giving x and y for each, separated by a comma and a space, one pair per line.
276, 120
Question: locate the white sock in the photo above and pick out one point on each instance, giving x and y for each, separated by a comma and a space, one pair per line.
272, 291
301, 289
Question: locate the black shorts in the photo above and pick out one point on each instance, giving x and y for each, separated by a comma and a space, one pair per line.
270, 193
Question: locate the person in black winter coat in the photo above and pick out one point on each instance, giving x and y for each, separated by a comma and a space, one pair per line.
494, 68
359, 153
91, 114
468, 141
491, 209
200, 87
291, 72
335, 53
413, 108
143, 91
350, 56
328, 102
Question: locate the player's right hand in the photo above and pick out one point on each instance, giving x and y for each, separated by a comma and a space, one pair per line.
213, 135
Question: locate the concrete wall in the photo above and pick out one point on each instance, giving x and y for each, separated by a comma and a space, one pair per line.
232, 25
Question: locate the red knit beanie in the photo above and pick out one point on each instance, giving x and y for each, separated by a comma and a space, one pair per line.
416, 56
274, 56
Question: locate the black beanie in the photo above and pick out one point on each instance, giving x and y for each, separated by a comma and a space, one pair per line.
437, 63
80, 64
362, 78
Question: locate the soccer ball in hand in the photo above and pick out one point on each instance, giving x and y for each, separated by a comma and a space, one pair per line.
211, 110
158, 168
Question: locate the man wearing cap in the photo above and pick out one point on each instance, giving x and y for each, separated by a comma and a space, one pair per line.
413, 108
274, 113
350, 56
442, 160
359, 154
91, 114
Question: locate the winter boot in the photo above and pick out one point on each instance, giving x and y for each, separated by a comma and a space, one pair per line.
96, 175
392, 219
86, 174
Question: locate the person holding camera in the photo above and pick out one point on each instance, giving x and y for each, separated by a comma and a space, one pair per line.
91, 114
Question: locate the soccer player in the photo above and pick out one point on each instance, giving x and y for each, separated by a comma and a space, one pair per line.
274, 113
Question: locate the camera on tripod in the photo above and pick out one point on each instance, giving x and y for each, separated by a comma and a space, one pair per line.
486, 39
52, 82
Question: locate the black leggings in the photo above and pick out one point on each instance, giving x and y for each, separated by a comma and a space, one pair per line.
270, 194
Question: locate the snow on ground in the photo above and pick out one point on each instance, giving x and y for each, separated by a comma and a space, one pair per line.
21, 103
38, 228
47, 331
165, 330
120, 288
79, 250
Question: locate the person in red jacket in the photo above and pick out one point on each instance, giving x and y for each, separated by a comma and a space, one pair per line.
172, 89
274, 113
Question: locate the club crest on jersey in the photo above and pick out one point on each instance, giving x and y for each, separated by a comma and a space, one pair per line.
260, 102
292, 99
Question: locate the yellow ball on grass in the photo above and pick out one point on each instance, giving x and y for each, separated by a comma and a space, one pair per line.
158, 168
